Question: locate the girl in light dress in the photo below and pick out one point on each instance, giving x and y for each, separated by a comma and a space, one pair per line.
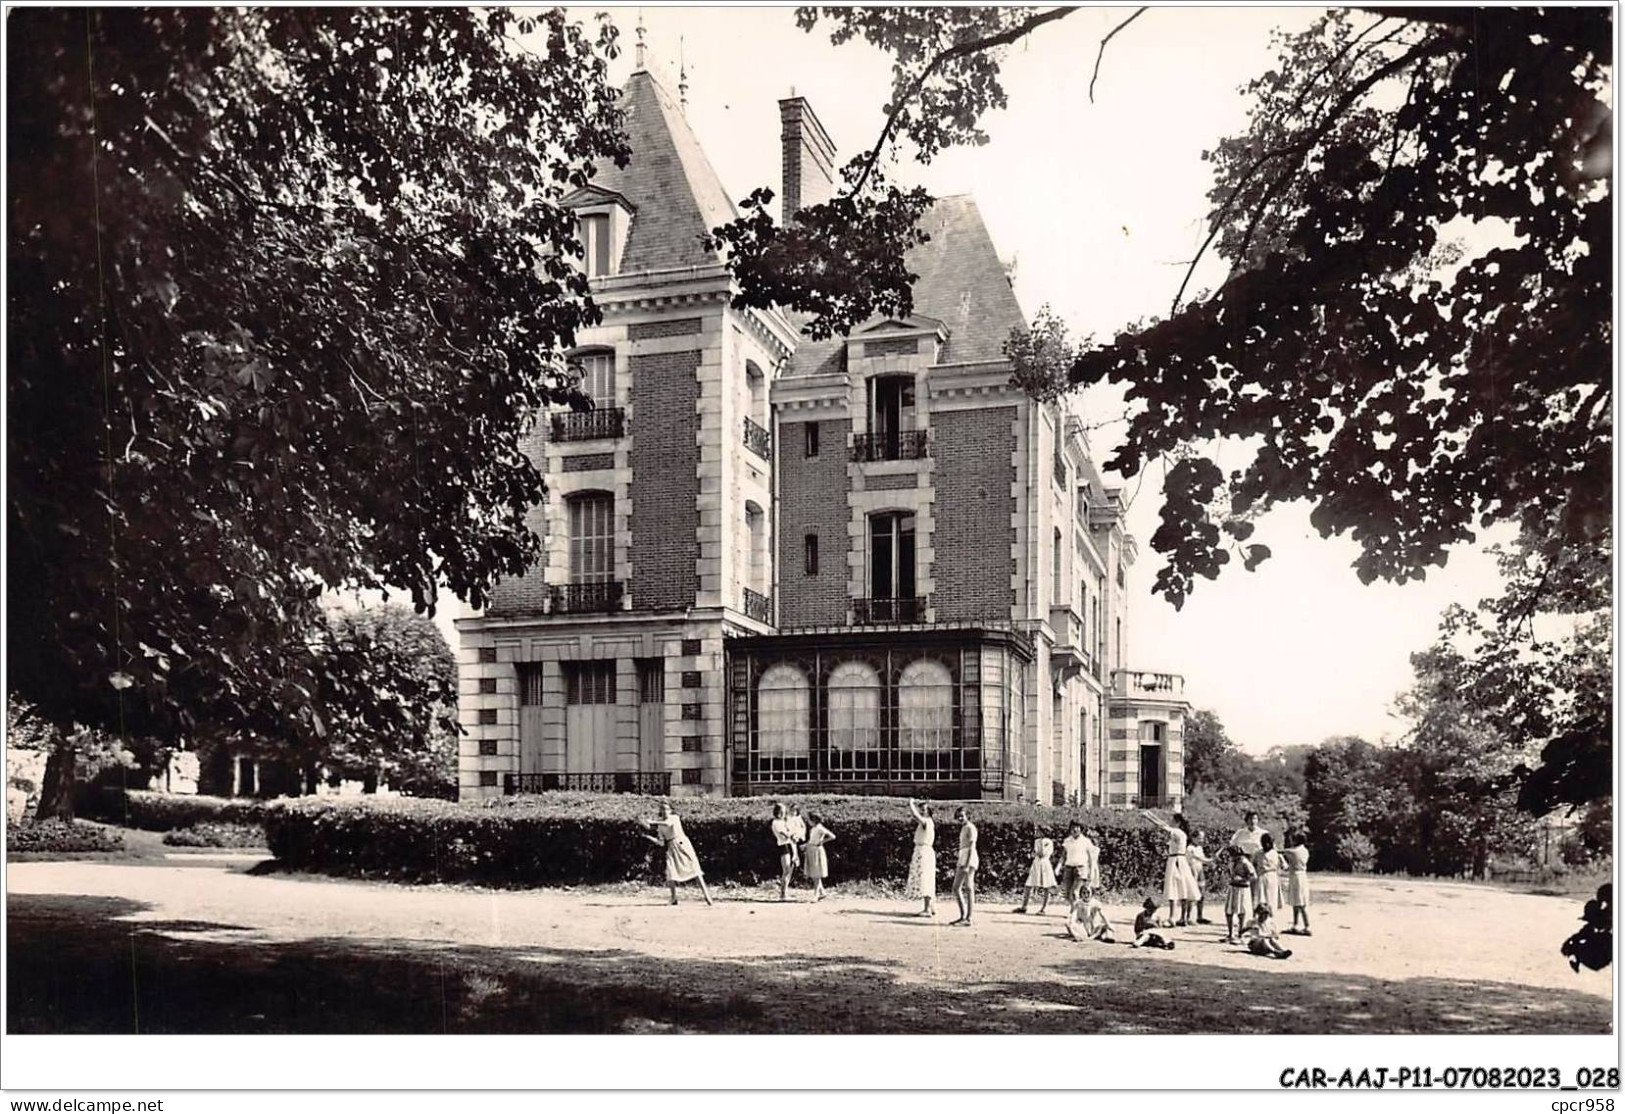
1262, 936
816, 863
922, 864
1239, 899
1041, 875
1178, 884
785, 840
682, 864
1268, 864
1297, 882
1086, 919
1198, 861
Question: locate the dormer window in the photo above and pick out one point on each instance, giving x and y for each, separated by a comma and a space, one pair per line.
592, 229
603, 218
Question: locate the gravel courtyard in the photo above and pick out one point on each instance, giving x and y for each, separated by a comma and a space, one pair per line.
201, 946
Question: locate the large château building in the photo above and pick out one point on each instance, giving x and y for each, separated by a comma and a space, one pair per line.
863, 565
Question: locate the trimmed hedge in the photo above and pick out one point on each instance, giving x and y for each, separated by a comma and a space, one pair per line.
59, 837
209, 834
166, 812
571, 839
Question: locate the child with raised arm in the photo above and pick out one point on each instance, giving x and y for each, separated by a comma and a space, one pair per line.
1262, 936
922, 864
1178, 884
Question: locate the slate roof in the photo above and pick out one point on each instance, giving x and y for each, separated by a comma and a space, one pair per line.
962, 284
676, 194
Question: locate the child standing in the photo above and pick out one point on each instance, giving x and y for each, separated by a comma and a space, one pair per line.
1041, 874
1297, 882
1262, 936
1086, 920
1236, 902
1198, 860
816, 863
1268, 862
1145, 922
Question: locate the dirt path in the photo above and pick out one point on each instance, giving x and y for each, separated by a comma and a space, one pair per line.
1387, 957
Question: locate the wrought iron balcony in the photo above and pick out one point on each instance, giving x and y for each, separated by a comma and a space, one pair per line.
590, 425
658, 785
904, 609
758, 440
573, 599
758, 606
913, 444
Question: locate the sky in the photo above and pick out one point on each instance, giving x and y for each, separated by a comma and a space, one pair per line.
1102, 205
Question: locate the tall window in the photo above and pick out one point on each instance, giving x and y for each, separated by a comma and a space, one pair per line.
854, 719
755, 570
891, 410
810, 555
925, 720
783, 722
592, 537
891, 556
1057, 596
810, 432
589, 682
598, 378
593, 231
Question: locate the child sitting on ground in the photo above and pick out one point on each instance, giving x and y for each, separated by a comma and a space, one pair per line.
1087, 920
1263, 936
1145, 922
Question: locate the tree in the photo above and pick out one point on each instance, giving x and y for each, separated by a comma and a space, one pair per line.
1206, 744
1349, 790
390, 702
286, 288
1413, 390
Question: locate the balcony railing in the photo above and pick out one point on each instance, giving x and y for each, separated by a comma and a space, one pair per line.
658, 785
905, 609
758, 606
1130, 682
1160, 800
913, 444
758, 440
589, 425
574, 599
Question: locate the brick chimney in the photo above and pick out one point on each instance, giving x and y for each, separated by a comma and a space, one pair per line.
809, 157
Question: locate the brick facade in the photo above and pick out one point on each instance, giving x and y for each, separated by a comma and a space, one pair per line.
971, 564
812, 500
664, 461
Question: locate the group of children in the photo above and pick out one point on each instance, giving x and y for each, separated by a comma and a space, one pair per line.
1254, 866
1255, 891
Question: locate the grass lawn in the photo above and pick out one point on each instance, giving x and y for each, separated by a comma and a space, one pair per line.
205, 947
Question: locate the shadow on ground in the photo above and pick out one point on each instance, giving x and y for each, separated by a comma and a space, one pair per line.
77, 965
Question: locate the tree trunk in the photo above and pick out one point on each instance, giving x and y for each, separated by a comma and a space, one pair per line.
57, 785
369, 781
312, 777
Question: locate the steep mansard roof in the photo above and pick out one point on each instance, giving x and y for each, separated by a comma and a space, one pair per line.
962, 283
675, 193
677, 197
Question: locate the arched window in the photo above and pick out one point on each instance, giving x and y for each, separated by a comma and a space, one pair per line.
592, 537
783, 722
925, 721
854, 720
